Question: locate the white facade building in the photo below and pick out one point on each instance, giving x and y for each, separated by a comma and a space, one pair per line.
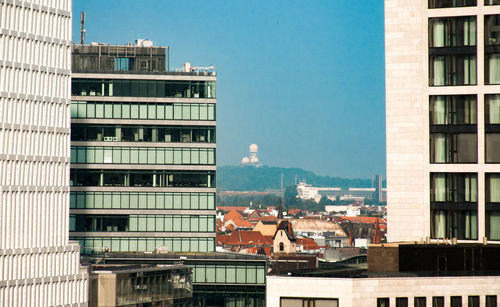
442, 115
443, 172
38, 264
307, 191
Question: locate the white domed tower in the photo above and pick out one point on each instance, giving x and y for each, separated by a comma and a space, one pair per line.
253, 153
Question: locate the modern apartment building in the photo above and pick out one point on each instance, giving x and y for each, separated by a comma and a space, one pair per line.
142, 151
38, 265
443, 116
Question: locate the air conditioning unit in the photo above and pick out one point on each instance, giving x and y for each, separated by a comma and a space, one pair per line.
115, 138
108, 138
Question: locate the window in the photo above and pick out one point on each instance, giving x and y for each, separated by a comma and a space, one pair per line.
308, 302
491, 301
492, 53
437, 301
492, 128
456, 301
134, 133
452, 32
383, 302
141, 88
419, 302
454, 206
453, 147
473, 301
456, 110
492, 2
282, 247
493, 206
401, 302
452, 3
449, 70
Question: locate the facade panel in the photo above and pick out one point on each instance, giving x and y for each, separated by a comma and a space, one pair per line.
38, 265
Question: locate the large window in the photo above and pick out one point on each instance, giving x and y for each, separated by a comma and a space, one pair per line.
143, 88
454, 110
383, 302
452, 3
456, 301
493, 206
452, 51
491, 301
141, 178
401, 302
453, 147
134, 133
308, 302
473, 301
454, 206
143, 200
143, 223
143, 110
492, 128
453, 129
452, 32
89, 245
142, 155
492, 49
419, 302
452, 70
249, 273
437, 301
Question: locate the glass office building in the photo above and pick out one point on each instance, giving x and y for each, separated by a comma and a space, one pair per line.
143, 152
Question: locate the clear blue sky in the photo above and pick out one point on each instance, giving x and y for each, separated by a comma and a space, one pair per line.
302, 79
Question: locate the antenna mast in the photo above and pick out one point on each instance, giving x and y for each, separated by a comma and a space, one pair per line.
83, 32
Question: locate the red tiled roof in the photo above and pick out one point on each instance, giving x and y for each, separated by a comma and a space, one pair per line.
247, 238
237, 219
307, 243
269, 218
222, 239
294, 211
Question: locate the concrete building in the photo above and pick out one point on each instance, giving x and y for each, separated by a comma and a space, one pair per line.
143, 151
442, 86
38, 265
140, 285
218, 279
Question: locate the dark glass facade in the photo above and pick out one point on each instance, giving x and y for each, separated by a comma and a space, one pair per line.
143, 88
454, 206
452, 51
453, 129
433, 4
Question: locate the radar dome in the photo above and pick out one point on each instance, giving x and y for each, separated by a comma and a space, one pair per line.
254, 160
254, 148
245, 160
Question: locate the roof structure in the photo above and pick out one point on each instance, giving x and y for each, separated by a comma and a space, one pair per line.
308, 244
236, 218
245, 237
287, 227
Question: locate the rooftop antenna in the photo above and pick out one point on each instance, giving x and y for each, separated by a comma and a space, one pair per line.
83, 32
